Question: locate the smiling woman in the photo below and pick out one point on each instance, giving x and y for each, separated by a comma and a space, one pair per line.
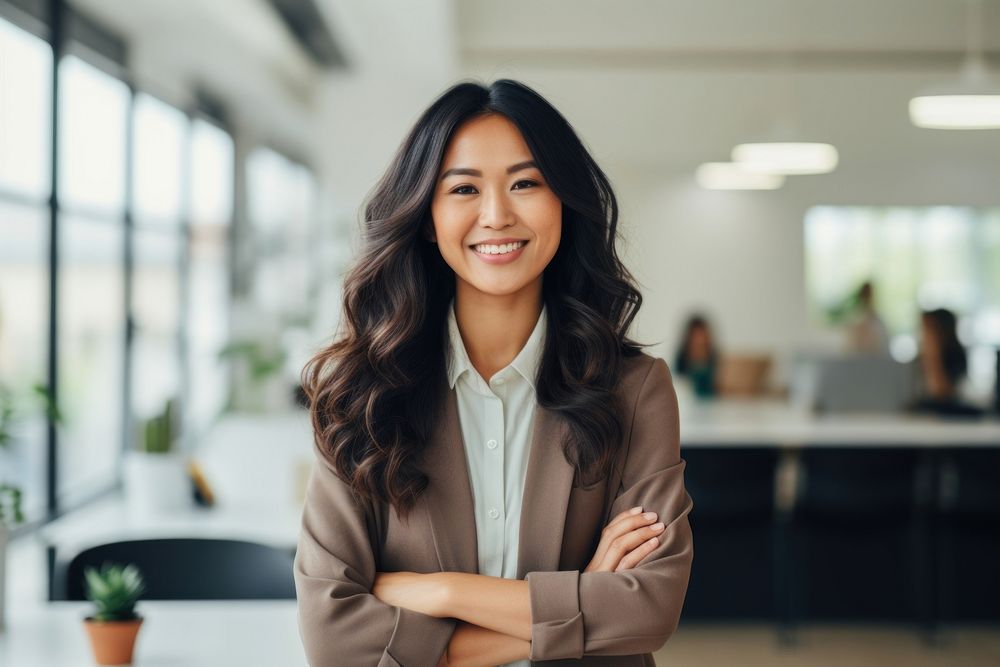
498, 473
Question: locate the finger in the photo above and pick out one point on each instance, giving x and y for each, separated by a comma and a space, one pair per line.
626, 525
620, 546
635, 511
634, 557
615, 531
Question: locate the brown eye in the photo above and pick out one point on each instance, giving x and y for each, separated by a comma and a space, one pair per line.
462, 187
531, 183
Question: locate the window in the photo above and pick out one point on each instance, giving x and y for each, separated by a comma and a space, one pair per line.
918, 259
280, 198
161, 134
207, 320
91, 310
25, 185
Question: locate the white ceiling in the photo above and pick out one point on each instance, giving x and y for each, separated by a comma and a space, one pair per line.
635, 29
650, 84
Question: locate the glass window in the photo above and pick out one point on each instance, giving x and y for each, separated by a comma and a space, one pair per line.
212, 160
280, 196
160, 136
211, 174
93, 109
24, 331
91, 352
156, 308
918, 258
25, 113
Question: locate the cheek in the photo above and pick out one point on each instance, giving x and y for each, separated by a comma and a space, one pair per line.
549, 227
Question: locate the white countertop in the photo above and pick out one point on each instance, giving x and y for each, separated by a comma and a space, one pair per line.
771, 422
185, 634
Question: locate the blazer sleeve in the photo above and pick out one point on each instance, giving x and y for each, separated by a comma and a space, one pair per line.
340, 621
633, 611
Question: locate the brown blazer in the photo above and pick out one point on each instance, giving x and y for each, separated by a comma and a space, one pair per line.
576, 617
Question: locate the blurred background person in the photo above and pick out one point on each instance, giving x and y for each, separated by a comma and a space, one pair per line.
943, 365
697, 357
866, 332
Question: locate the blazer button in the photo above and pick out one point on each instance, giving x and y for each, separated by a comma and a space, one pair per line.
493, 513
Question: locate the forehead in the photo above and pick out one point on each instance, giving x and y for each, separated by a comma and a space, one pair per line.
486, 142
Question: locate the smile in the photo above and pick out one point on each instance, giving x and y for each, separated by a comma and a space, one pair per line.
499, 254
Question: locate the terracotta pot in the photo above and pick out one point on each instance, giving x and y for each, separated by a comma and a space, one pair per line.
112, 641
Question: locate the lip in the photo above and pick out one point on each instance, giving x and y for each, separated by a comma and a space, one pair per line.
501, 259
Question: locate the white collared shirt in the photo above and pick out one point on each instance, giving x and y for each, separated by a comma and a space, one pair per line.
497, 419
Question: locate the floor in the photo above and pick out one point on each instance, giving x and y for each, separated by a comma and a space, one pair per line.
828, 646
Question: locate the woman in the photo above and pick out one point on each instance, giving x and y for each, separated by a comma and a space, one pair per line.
943, 365
697, 357
498, 473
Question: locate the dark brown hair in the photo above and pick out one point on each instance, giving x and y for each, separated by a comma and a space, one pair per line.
374, 391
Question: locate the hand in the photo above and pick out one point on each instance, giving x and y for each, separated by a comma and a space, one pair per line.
625, 541
422, 593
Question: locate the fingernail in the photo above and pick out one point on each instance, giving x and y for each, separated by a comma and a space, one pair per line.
653, 541
649, 515
657, 526
635, 510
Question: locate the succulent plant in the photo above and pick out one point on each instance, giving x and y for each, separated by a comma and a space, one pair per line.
114, 589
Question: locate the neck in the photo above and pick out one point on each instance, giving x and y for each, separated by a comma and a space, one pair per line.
495, 328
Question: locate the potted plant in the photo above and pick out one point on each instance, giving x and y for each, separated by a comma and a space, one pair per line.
155, 476
113, 628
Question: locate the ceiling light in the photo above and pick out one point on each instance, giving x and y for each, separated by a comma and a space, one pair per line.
733, 176
972, 102
787, 157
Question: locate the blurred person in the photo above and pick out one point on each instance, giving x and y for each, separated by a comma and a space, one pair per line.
867, 333
943, 365
697, 357
484, 359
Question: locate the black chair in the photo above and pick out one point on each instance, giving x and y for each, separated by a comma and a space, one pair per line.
186, 569
859, 536
732, 523
967, 535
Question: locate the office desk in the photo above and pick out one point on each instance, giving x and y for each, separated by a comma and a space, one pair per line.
185, 634
766, 422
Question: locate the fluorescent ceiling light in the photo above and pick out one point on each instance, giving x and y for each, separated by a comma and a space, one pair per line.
786, 157
970, 103
732, 176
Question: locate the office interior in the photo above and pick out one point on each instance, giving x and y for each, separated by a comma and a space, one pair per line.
180, 193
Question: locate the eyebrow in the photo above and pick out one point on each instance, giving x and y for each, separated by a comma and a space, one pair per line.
465, 171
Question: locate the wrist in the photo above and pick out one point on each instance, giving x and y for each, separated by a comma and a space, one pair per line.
444, 593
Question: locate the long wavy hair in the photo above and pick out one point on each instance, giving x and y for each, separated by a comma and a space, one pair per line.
374, 392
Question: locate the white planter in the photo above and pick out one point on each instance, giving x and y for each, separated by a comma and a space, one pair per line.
156, 483
3, 575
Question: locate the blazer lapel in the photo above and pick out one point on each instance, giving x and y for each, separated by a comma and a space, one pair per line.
450, 503
547, 486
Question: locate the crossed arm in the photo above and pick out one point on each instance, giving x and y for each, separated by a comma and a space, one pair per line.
495, 613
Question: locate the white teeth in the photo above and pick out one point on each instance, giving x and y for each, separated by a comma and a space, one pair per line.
498, 249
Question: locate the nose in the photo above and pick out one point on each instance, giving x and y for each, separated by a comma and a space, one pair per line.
495, 211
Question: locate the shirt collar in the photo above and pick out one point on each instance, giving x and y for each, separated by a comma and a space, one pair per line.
526, 362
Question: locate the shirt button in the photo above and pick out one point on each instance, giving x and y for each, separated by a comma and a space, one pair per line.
493, 513
492, 444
